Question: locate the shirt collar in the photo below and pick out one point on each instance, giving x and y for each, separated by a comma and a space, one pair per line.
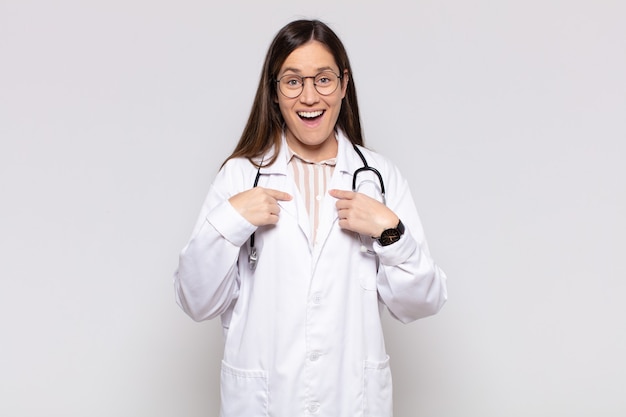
291, 154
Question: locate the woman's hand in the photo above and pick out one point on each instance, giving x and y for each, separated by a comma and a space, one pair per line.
362, 214
259, 205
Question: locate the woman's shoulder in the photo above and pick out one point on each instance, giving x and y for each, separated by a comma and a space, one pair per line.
369, 153
237, 170
236, 163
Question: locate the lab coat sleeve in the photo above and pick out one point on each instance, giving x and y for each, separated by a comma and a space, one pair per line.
207, 280
409, 282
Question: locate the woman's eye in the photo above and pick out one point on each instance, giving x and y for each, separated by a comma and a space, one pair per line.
293, 82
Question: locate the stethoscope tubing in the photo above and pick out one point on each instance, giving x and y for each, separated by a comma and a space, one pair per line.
366, 167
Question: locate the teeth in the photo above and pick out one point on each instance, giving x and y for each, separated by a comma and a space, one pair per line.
310, 114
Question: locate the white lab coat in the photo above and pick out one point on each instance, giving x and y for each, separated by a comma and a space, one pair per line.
303, 330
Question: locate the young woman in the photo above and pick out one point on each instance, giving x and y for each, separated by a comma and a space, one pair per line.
304, 237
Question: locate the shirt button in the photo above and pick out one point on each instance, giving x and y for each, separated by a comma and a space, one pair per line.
318, 197
313, 408
317, 298
314, 356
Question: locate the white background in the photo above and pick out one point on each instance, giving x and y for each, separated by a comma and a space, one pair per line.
509, 118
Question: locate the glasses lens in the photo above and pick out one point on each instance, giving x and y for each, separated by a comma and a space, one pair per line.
290, 85
326, 83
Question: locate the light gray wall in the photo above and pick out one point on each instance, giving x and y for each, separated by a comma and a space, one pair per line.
509, 118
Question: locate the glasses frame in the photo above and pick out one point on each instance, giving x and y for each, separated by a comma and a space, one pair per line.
313, 77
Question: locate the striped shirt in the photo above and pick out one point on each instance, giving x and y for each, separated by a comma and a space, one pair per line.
312, 179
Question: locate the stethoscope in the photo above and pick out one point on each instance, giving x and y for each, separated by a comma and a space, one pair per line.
253, 256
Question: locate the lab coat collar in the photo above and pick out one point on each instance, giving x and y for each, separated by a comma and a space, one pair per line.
347, 160
279, 166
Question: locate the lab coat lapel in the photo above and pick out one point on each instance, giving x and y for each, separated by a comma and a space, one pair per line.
347, 162
295, 208
278, 178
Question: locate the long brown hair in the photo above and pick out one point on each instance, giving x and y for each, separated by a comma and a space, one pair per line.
265, 123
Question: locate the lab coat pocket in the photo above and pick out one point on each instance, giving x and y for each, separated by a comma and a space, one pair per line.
378, 400
244, 392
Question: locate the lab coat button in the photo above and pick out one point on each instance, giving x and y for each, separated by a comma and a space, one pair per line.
313, 408
314, 356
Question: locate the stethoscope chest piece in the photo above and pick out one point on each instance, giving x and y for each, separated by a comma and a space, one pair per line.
252, 258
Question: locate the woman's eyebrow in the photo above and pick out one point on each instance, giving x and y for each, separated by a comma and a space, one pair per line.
298, 71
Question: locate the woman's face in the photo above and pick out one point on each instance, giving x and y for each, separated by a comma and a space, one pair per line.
310, 118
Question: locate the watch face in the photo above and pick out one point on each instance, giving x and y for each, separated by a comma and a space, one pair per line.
389, 236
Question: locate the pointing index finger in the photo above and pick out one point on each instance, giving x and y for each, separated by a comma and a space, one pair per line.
341, 194
278, 195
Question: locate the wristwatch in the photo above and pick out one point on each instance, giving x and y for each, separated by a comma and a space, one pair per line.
389, 236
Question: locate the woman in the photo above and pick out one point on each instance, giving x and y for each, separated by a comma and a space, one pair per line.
297, 261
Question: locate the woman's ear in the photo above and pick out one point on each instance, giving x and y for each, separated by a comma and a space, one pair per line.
345, 79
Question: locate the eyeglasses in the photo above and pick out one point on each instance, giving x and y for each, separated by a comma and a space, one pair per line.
292, 85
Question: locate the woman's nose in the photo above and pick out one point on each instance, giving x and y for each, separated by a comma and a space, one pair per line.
309, 93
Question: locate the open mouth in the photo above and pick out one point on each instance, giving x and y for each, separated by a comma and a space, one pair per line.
310, 115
